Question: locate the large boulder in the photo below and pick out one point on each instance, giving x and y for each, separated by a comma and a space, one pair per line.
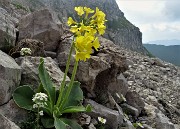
10, 76
13, 112
7, 124
30, 65
135, 100
42, 25
114, 118
7, 30
163, 122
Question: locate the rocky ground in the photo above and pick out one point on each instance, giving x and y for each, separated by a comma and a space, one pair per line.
156, 81
123, 86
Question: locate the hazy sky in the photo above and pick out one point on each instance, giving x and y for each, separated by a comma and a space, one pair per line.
157, 19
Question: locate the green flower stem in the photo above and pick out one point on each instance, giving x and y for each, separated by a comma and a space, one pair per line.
70, 86
38, 119
65, 74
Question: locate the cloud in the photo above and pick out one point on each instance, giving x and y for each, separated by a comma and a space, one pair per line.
142, 11
172, 9
160, 31
157, 19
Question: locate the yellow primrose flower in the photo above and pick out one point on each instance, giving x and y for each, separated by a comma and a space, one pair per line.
79, 10
96, 44
92, 31
75, 30
82, 56
84, 43
99, 15
99, 18
101, 29
89, 36
70, 21
86, 31
79, 43
88, 11
82, 28
83, 46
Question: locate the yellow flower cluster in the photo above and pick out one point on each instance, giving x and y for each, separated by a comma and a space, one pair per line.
86, 31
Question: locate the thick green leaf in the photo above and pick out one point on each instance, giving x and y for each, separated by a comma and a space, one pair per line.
47, 122
73, 109
23, 97
73, 124
75, 97
46, 82
59, 124
40, 88
47, 108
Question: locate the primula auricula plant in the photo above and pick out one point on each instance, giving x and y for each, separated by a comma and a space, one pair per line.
86, 31
50, 104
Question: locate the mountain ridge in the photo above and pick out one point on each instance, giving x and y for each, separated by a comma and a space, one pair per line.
165, 42
119, 29
167, 53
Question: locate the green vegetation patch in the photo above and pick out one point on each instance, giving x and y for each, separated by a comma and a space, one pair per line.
19, 6
119, 23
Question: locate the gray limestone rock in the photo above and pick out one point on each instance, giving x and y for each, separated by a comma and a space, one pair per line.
129, 110
7, 30
42, 25
10, 76
147, 126
135, 100
13, 112
91, 126
127, 125
30, 65
7, 124
163, 122
114, 118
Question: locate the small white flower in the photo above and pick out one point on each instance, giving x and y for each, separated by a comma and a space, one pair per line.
41, 98
102, 120
41, 113
25, 51
41, 104
35, 106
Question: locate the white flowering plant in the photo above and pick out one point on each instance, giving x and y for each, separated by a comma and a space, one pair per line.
101, 123
25, 51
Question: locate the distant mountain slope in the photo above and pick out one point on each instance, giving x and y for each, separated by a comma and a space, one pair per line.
165, 42
167, 53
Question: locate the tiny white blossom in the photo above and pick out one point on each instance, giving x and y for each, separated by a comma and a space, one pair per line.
41, 104
25, 51
35, 106
41, 98
41, 113
102, 120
